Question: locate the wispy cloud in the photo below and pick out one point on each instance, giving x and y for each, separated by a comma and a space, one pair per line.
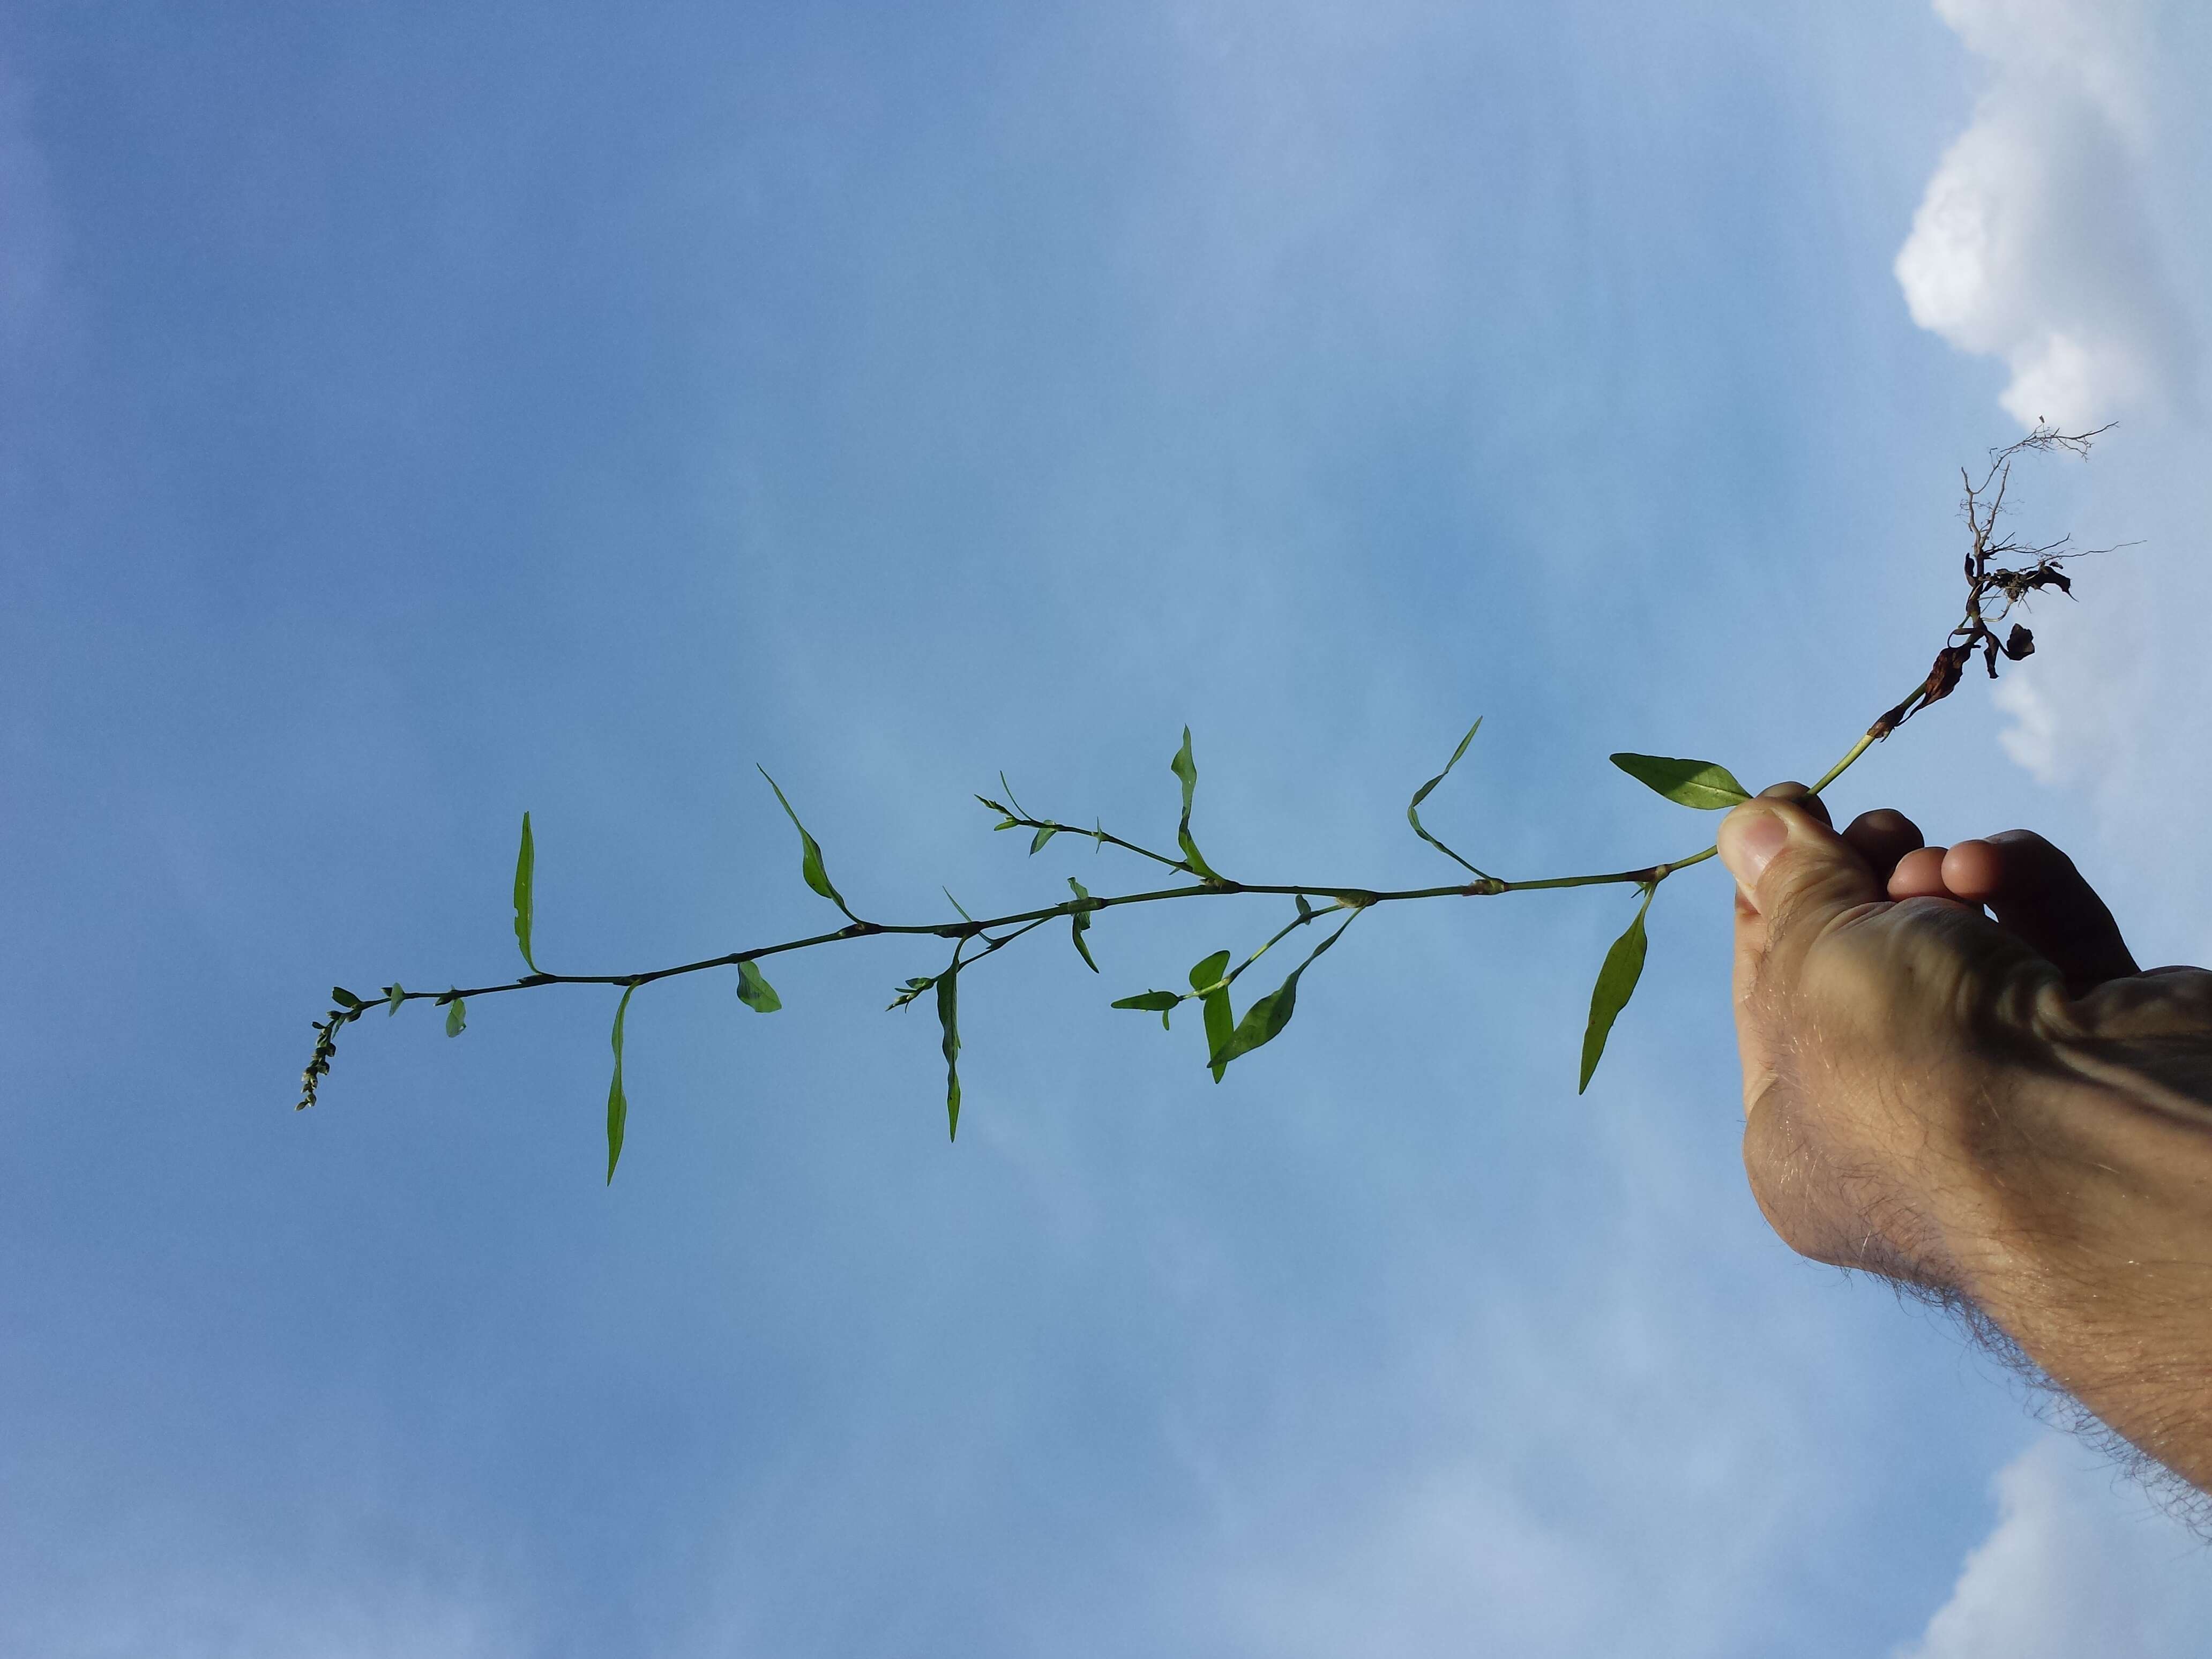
2077, 1563
2032, 243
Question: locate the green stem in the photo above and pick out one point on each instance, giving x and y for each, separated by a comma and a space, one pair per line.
1352, 898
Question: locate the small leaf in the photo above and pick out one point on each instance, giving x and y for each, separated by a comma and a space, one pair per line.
394, 995
1186, 767
1704, 785
908, 992
1616, 983
617, 1101
343, 997
1213, 995
1036, 843
1265, 1019
457, 1018
754, 990
1208, 972
809, 862
1081, 919
948, 1016
526, 867
1305, 909
1413, 807
1150, 1002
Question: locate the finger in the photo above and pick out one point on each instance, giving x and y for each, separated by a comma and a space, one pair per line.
2038, 894
1796, 878
1798, 792
1919, 874
1883, 837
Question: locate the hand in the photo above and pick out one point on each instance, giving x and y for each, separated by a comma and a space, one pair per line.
2000, 1107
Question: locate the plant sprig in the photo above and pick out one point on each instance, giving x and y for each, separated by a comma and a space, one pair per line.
2002, 574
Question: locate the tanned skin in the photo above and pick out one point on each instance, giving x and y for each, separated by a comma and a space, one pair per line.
1994, 1103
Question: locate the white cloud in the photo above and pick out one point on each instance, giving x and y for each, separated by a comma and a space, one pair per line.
2032, 243
2078, 1563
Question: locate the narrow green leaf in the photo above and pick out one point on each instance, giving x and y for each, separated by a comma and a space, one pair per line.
1150, 1002
343, 997
1265, 1019
1037, 841
955, 903
1413, 807
1081, 919
617, 1101
457, 1018
526, 868
394, 995
754, 990
1220, 1026
1616, 983
1186, 767
809, 862
1262, 1023
1705, 785
948, 1016
1213, 1000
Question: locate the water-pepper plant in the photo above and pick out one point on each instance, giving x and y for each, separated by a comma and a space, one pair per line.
2002, 575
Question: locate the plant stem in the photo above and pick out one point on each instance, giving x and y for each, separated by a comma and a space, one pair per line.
1347, 898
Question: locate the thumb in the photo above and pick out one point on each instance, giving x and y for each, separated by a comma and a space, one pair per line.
1794, 874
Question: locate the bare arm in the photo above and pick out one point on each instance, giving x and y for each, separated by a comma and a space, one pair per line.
2003, 1109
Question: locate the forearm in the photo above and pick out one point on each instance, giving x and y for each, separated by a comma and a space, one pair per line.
2081, 1223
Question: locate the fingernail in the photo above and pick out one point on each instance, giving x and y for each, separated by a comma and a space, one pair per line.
1750, 837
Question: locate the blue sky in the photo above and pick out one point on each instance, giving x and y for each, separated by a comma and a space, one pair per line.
410, 416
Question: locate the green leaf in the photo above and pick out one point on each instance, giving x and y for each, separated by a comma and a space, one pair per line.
617, 1101
1265, 1019
457, 1018
526, 867
343, 997
754, 990
1082, 924
1185, 767
1305, 909
1213, 997
1413, 807
1704, 785
1036, 843
948, 1016
394, 995
1220, 1026
1150, 1002
1616, 983
809, 862
1208, 973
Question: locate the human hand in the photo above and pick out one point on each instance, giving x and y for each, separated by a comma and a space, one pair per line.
2000, 1107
